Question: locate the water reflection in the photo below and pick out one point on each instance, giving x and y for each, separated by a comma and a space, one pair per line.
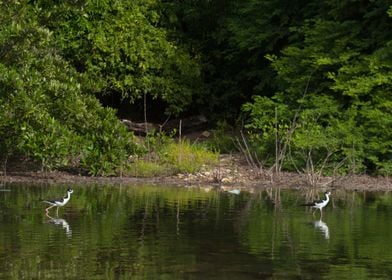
60, 222
230, 190
156, 232
234, 191
322, 227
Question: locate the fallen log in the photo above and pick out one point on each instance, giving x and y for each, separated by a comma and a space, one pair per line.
187, 124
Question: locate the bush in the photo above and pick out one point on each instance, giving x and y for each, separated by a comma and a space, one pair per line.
222, 139
43, 113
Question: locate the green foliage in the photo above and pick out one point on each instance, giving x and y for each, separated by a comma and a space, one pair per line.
146, 168
368, 82
163, 156
334, 98
315, 78
221, 139
233, 37
44, 115
186, 157
108, 143
120, 47
268, 121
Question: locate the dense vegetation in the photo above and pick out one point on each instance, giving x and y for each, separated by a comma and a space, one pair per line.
309, 83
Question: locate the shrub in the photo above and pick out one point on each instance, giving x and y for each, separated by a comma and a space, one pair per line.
44, 115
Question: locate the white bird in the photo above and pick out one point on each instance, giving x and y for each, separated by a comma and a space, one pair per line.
319, 204
59, 201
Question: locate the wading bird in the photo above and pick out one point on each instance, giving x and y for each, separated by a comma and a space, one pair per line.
319, 204
59, 201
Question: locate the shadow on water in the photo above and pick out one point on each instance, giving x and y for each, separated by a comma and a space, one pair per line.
154, 232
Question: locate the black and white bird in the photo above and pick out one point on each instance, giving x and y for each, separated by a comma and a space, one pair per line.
320, 204
59, 201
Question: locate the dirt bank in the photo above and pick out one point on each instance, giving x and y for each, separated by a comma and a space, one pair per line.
231, 172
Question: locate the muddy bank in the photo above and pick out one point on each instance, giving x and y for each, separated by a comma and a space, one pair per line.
231, 172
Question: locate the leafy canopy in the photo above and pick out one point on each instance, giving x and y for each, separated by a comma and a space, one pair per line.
123, 51
44, 115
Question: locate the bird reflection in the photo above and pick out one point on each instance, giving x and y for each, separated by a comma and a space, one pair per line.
322, 227
60, 222
235, 191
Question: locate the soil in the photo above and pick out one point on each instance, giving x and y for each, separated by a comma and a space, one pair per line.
232, 172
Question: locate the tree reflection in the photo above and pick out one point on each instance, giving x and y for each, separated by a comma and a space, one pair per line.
151, 232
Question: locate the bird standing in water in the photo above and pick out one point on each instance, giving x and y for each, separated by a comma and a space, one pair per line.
59, 201
319, 204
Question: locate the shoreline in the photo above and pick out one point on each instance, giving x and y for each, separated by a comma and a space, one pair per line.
245, 181
231, 172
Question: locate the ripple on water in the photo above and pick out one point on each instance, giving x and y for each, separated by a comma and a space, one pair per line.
187, 233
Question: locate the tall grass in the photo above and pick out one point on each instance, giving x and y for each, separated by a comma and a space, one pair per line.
172, 157
186, 157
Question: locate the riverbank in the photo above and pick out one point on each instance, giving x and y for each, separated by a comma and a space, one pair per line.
231, 172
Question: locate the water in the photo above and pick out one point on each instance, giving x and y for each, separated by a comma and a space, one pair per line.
150, 232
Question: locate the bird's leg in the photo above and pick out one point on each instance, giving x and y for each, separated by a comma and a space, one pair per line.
47, 209
57, 213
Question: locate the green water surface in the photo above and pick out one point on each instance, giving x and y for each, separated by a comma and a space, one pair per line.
156, 232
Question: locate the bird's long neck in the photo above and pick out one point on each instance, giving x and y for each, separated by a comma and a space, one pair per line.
326, 197
68, 196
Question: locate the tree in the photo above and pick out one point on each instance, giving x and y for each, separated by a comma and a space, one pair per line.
123, 51
232, 38
335, 74
44, 116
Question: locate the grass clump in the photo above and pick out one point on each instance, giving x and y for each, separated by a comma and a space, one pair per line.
169, 157
185, 157
146, 168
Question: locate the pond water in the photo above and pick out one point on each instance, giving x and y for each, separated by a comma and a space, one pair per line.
152, 232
